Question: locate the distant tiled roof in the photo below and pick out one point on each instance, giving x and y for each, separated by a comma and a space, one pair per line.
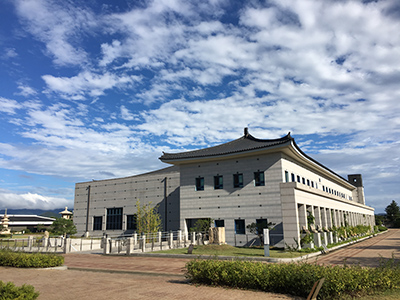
28, 219
246, 143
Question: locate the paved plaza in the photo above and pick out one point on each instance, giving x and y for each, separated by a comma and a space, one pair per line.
94, 276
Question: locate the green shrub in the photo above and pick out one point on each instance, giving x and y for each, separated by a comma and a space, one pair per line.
29, 260
295, 278
10, 291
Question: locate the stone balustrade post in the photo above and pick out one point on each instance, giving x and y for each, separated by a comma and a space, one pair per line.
179, 238
159, 237
135, 239
30, 242
171, 240
129, 246
67, 245
193, 238
143, 241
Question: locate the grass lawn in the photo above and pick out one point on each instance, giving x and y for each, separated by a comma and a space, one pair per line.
227, 250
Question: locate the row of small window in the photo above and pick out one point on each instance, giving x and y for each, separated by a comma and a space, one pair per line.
300, 180
259, 180
312, 184
114, 220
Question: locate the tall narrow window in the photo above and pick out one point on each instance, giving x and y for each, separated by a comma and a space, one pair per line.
293, 177
98, 223
240, 227
238, 180
259, 178
218, 182
114, 218
298, 178
131, 222
200, 184
286, 176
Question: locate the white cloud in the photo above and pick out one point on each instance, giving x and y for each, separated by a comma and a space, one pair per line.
12, 200
87, 84
9, 106
26, 90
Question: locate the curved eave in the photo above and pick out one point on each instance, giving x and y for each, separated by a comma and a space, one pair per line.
229, 155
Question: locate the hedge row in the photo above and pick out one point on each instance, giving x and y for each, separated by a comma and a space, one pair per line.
10, 291
29, 260
295, 278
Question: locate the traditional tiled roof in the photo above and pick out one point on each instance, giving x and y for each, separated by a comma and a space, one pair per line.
246, 143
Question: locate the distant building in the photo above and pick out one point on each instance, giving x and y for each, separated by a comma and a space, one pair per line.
66, 214
237, 183
23, 222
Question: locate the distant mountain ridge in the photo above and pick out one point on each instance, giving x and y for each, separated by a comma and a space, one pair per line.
39, 212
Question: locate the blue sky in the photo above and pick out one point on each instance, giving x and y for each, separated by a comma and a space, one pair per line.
98, 89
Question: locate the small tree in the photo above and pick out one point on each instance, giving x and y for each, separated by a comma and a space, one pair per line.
258, 228
392, 212
201, 225
148, 219
63, 227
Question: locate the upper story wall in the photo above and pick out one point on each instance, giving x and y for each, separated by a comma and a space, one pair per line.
294, 171
124, 192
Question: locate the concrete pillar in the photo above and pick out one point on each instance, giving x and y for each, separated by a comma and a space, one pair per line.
171, 240
30, 242
324, 222
135, 239
129, 246
324, 238
317, 239
302, 215
317, 215
179, 238
199, 238
67, 245
330, 237
107, 246
159, 237
193, 238
328, 217
143, 243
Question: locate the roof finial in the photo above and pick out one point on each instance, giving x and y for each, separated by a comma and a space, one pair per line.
246, 132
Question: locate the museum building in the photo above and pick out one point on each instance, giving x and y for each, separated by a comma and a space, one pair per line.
235, 184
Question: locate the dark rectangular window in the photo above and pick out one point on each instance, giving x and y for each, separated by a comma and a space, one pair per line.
312, 183
200, 184
98, 223
238, 180
218, 182
261, 224
286, 176
259, 178
240, 227
131, 222
293, 178
114, 218
298, 178
308, 182
304, 180
219, 223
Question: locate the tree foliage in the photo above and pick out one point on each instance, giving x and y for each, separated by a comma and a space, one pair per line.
393, 213
201, 225
257, 228
148, 219
63, 227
